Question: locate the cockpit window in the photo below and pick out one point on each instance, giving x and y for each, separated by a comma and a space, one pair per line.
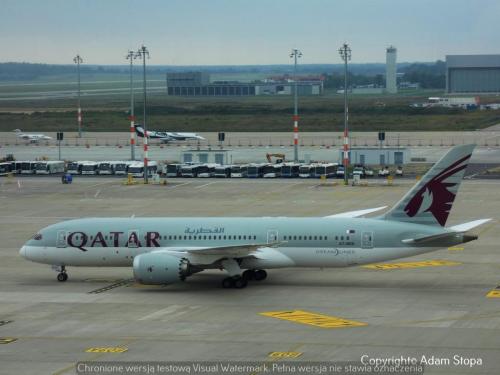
37, 236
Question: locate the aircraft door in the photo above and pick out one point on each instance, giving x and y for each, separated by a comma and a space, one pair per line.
62, 238
367, 240
272, 236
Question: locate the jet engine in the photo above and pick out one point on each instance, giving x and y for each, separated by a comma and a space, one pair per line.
159, 269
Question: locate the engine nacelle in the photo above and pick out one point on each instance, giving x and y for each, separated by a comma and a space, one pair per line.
160, 269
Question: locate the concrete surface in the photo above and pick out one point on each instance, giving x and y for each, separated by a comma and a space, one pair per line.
440, 311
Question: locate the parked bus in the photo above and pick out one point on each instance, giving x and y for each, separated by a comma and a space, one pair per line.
5, 168
238, 171
173, 170
272, 171
190, 170
207, 170
25, 167
255, 170
120, 167
74, 167
222, 171
306, 171
49, 167
327, 170
104, 167
137, 168
89, 167
290, 170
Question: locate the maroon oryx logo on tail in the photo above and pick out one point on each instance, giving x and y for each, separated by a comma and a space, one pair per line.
435, 196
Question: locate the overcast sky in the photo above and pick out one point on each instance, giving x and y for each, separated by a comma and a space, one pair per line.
221, 32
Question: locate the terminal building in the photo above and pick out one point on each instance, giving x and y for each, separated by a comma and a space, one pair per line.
199, 84
472, 74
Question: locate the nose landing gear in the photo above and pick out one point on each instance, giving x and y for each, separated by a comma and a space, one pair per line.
62, 275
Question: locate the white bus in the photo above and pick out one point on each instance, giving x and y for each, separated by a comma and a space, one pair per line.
290, 170
74, 167
5, 168
207, 170
223, 171
271, 171
190, 170
120, 167
173, 170
306, 171
25, 167
239, 171
49, 167
104, 167
136, 169
328, 170
89, 167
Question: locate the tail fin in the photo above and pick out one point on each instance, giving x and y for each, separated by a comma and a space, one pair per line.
429, 202
139, 130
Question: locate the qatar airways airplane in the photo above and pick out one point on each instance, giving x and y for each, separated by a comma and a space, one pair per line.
169, 250
166, 137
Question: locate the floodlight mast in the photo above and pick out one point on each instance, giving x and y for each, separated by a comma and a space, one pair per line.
130, 56
345, 54
78, 60
295, 54
143, 53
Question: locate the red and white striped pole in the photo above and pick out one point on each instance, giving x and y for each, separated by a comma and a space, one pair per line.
295, 130
79, 121
132, 137
146, 171
346, 154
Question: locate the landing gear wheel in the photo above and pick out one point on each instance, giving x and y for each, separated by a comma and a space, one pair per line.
228, 282
259, 275
62, 276
248, 275
240, 282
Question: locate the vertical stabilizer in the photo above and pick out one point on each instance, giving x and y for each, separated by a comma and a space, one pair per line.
429, 202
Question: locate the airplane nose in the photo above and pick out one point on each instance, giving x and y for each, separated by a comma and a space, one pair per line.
24, 252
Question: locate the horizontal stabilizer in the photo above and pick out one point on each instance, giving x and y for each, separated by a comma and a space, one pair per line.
433, 237
357, 213
468, 226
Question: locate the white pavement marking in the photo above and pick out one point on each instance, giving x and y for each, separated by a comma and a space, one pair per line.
185, 183
97, 193
210, 183
171, 311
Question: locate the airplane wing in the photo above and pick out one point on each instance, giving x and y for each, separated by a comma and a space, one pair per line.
357, 213
232, 251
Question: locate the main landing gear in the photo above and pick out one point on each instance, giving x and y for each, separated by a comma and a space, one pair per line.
62, 275
240, 282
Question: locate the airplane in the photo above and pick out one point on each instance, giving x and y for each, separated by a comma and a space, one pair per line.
166, 137
168, 250
33, 138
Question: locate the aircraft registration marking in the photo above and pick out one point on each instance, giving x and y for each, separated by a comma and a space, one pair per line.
285, 354
396, 266
106, 350
495, 293
7, 340
314, 319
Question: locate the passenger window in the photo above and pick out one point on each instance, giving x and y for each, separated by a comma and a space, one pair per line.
189, 237
326, 238
195, 237
310, 238
185, 237
224, 237
295, 238
254, 237
205, 237
169, 237
342, 238
320, 238
239, 237
347, 238
315, 238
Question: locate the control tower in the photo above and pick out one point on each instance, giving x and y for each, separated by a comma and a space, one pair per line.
390, 71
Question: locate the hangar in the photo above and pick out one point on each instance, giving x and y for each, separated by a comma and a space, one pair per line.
472, 74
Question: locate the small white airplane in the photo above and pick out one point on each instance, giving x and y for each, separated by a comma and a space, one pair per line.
166, 137
33, 138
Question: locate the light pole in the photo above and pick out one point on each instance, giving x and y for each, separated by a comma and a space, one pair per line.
345, 54
142, 53
78, 60
295, 54
130, 56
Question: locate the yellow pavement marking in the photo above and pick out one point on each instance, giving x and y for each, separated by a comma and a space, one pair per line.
455, 248
495, 293
285, 354
318, 320
7, 340
106, 350
396, 266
